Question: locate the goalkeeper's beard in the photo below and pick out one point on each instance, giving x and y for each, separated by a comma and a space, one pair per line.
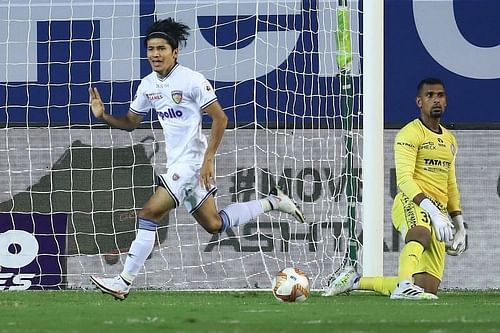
436, 113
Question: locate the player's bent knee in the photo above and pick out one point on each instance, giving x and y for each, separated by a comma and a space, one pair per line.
210, 221
211, 225
212, 228
419, 234
213, 231
150, 215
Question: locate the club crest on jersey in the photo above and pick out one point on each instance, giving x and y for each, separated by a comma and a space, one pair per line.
177, 96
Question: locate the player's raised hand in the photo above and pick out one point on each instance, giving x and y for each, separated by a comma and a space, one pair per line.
96, 104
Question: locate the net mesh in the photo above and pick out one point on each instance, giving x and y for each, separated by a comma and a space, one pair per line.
71, 187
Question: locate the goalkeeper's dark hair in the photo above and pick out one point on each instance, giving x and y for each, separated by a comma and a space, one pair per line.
175, 33
429, 80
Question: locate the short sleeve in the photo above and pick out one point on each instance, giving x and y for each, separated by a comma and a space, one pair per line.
204, 93
140, 104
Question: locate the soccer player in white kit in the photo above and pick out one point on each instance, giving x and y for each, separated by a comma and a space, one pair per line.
179, 97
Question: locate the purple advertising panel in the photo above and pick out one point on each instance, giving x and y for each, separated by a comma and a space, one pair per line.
32, 248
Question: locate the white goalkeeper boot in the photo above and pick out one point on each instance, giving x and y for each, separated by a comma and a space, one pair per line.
344, 282
407, 290
280, 201
115, 287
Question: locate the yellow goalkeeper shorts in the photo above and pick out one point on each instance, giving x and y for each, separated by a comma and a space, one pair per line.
406, 215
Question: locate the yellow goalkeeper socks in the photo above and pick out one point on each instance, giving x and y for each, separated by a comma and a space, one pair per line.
382, 284
408, 260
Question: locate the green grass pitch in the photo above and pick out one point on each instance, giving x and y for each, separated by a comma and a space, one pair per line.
240, 312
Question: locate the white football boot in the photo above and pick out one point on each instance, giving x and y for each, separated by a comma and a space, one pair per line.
344, 282
112, 286
407, 290
285, 204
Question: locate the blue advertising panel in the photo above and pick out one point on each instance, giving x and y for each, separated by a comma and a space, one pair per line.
32, 248
269, 63
456, 41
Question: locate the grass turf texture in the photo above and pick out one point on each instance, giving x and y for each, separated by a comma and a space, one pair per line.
255, 312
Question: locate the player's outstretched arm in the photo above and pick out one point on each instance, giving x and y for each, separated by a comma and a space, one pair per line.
128, 122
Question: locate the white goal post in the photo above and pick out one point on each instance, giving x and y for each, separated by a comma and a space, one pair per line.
373, 138
71, 186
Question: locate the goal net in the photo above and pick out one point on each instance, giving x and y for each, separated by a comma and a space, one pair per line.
71, 187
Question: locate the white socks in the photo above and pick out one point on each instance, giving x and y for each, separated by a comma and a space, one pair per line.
139, 251
240, 213
232, 216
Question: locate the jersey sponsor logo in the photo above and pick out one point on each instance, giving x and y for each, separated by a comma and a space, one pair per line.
436, 162
177, 96
399, 143
169, 113
428, 145
441, 143
154, 96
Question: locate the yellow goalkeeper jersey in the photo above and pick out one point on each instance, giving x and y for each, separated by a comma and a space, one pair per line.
425, 162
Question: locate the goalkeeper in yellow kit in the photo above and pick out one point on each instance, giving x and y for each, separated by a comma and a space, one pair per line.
428, 194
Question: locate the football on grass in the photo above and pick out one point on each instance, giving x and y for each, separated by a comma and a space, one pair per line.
291, 285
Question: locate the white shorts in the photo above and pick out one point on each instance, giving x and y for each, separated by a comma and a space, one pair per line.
182, 182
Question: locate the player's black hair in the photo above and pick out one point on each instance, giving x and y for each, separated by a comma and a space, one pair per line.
429, 80
175, 33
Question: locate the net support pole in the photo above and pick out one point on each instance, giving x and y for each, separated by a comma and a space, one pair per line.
344, 63
373, 137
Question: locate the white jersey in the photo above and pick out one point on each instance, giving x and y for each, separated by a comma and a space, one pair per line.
179, 100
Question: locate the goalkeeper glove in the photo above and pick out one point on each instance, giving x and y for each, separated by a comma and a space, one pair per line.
458, 243
440, 222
